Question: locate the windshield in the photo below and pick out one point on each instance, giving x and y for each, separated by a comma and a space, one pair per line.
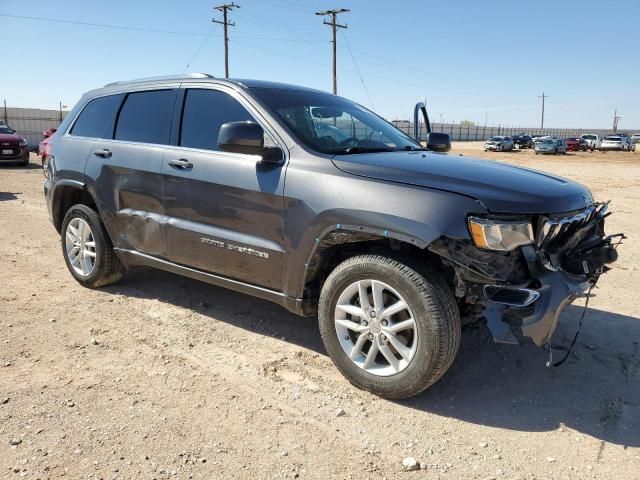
613, 139
589, 137
496, 139
5, 129
333, 125
548, 141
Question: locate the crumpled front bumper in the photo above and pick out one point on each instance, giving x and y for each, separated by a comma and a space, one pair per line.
557, 291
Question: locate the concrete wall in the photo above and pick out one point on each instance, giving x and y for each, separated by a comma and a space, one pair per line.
30, 122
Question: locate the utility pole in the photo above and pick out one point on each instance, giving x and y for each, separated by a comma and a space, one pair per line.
225, 22
334, 25
6, 117
543, 96
616, 119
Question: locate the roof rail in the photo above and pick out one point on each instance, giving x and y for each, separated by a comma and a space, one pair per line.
183, 76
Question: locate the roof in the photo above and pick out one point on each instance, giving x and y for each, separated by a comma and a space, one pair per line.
245, 83
250, 83
184, 76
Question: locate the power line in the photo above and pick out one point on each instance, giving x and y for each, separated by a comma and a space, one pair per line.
333, 14
344, 36
226, 23
104, 25
197, 51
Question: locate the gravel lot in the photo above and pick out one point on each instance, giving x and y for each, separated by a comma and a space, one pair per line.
164, 377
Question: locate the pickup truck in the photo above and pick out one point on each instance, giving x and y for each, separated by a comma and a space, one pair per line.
316, 203
593, 141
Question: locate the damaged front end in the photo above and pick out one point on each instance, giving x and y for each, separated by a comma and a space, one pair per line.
530, 285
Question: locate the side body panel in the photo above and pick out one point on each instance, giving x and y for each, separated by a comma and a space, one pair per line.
225, 215
225, 212
335, 200
128, 190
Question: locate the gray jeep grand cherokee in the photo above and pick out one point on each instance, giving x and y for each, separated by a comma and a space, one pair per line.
314, 202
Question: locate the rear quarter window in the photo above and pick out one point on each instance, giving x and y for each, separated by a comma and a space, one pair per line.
97, 117
146, 117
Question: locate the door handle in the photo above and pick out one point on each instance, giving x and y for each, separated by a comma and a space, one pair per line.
104, 153
181, 164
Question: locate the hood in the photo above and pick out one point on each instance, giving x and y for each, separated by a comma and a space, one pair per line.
12, 138
499, 186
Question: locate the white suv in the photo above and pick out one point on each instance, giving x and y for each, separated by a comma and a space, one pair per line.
635, 138
593, 141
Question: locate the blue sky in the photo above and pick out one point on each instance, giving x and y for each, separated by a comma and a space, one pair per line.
468, 58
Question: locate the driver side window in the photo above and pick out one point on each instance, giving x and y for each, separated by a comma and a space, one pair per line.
204, 113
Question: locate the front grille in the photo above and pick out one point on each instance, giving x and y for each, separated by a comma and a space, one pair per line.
556, 230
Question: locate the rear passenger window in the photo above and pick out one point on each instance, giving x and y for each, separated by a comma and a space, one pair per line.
204, 112
97, 118
146, 117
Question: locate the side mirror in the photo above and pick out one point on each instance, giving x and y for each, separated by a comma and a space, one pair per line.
439, 142
248, 138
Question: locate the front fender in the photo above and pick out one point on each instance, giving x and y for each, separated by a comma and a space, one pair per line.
411, 214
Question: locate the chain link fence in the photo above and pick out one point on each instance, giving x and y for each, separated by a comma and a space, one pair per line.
470, 133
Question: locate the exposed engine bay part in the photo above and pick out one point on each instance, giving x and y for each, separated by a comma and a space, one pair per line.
482, 266
533, 284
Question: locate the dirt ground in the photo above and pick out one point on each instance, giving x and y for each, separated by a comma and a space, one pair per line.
164, 377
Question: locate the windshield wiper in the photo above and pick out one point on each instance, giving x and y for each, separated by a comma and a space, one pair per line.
352, 150
411, 148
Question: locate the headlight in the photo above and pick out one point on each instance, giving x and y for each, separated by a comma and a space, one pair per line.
23, 142
503, 236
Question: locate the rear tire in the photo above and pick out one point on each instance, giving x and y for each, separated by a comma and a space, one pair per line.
425, 350
87, 249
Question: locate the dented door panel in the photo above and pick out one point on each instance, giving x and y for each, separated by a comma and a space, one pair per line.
128, 186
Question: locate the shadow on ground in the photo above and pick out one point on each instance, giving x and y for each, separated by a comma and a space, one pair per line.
7, 196
596, 392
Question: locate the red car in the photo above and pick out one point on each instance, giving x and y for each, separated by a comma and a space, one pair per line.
13, 148
44, 147
573, 144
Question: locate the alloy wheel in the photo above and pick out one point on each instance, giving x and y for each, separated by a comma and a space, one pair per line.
80, 247
376, 327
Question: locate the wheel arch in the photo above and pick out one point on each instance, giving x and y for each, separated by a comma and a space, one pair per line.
66, 194
341, 242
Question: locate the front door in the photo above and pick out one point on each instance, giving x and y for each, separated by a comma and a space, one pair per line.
225, 210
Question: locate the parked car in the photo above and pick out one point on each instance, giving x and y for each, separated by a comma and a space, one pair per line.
388, 243
629, 145
573, 145
593, 141
44, 147
13, 147
551, 145
635, 138
498, 143
576, 144
523, 141
613, 142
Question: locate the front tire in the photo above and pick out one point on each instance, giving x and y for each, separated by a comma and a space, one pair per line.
389, 328
87, 249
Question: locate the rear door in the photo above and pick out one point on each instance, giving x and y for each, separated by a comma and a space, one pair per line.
127, 170
225, 210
